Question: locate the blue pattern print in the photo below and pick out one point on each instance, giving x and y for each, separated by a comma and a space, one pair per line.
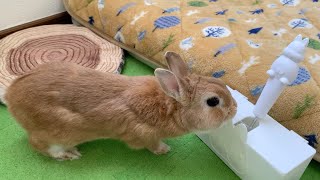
303, 76
221, 12
257, 90
257, 11
218, 74
166, 22
224, 49
312, 140
203, 20
125, 7
170, 10
255, 30
141, 35
91, 20
214, 32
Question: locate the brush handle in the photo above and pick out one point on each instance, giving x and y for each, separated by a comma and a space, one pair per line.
283, 72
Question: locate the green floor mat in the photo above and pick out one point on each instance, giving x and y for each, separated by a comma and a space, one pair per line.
109, 159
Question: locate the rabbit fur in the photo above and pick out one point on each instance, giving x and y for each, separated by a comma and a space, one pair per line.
61, 105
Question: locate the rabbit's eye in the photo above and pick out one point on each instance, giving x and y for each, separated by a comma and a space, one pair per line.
212, 102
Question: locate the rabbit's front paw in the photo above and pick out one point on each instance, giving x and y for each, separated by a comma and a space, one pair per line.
162, 148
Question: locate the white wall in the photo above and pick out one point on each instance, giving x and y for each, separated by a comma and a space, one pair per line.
16, 12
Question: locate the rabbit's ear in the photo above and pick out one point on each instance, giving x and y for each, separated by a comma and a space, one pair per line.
177, 65
169, 83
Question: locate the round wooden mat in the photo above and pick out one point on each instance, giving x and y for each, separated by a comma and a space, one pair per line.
26, 49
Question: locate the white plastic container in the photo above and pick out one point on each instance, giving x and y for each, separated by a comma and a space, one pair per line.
267, 150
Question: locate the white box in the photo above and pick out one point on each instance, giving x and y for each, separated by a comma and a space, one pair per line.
269, 151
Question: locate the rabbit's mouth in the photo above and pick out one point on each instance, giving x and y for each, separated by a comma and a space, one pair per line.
232, 112
229, 118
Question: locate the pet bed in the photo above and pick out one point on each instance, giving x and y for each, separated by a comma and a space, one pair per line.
26, 49
233, 40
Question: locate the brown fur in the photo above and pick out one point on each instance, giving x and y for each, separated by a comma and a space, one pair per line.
66, 104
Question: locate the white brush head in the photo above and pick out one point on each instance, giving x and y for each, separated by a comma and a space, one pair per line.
296, 49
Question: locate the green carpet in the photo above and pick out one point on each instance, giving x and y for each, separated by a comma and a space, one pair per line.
109, 159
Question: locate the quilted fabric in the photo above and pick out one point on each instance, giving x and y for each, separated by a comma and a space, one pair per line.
234, 40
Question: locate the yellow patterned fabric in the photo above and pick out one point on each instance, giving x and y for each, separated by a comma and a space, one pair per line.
234, 40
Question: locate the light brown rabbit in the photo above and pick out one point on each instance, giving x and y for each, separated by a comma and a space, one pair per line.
61, 105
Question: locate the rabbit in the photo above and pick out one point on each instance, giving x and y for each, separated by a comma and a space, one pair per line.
61, 105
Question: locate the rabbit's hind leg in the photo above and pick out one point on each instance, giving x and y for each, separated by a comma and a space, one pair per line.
56, 151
